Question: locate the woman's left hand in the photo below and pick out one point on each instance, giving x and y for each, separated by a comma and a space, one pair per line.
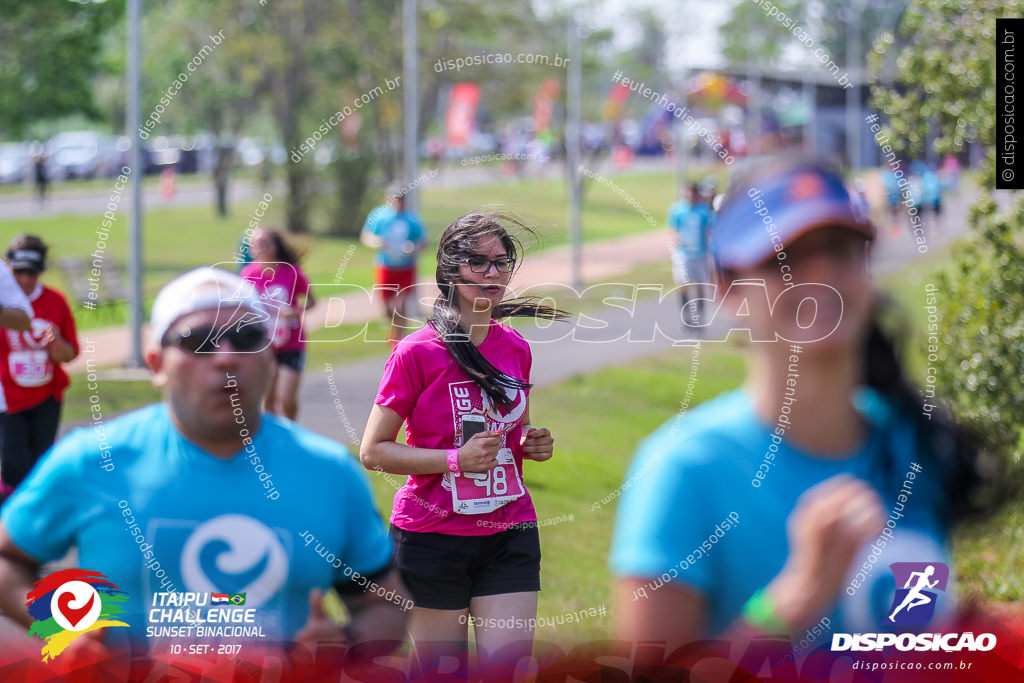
539, 444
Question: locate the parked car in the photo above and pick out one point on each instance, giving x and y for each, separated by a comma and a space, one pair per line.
81, 154
15, 162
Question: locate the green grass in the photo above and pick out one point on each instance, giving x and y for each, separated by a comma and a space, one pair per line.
178, 239
989, 554
115, 396
990, 557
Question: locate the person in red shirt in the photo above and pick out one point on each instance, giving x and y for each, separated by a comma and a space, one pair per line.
30, 365
276, 274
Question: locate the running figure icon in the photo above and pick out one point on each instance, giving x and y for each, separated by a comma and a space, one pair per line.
915, 597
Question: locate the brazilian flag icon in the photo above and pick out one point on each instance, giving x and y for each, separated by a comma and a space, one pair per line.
237, 598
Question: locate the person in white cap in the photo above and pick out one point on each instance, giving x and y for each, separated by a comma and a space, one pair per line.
201, 494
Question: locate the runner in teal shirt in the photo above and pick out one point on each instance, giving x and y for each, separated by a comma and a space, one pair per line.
778, 508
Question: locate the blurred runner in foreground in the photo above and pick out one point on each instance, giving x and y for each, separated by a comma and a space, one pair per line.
399, 237
769, 508
203, 493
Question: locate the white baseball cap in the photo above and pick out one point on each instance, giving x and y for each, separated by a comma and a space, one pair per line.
199, 289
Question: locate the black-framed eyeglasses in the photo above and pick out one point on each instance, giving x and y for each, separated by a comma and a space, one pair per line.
482, 264
206, 339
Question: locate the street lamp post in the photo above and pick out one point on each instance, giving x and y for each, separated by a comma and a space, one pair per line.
133, 120
572, 149
410, 115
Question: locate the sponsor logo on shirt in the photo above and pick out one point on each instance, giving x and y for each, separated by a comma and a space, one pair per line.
235, 553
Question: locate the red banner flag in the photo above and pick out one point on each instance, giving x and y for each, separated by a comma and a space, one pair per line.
543, 104
461, 113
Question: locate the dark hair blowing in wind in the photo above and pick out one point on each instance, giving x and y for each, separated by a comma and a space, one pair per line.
459, 241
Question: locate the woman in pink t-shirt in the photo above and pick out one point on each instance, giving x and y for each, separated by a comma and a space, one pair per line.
277, 277
464, 527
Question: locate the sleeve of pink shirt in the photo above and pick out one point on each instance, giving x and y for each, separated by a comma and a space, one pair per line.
402, 382
301, 285
249, 272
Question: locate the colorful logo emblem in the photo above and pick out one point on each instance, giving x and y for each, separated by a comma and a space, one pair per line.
69, 603
914, 603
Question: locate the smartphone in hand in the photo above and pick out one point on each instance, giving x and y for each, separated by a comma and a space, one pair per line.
471, 426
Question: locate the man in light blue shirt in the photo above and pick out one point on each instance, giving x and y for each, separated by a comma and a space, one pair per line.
204, 494
690, 220
398, 236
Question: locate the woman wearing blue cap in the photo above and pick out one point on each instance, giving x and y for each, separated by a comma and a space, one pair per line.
778, 508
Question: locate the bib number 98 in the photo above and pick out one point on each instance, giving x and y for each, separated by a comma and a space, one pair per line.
496, 483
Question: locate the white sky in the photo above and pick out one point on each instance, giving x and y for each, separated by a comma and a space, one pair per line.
691, 27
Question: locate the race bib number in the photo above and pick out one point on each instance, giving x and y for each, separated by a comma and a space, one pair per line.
30, 368
477, 493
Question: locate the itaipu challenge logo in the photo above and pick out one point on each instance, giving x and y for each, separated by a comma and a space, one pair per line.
69, 603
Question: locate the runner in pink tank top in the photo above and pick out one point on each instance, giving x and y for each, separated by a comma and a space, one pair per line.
464, 526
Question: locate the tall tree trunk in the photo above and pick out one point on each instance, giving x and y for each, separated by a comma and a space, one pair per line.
297, 207
221, 176
291, 90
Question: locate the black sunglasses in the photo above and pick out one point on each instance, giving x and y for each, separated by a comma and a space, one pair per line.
482, 264
206, 339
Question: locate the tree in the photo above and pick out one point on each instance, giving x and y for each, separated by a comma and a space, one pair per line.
750, 36
946, 85
49, 55
833, 18
222, 93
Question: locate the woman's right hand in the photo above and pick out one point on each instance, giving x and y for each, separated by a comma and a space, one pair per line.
830, 523
480, 453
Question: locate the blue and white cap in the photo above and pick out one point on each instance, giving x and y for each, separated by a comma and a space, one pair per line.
796, 196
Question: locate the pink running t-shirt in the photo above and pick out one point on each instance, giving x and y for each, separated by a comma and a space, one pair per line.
427, 388
280, 286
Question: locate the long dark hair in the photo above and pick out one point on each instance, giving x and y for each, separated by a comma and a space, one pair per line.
283, 250
969, 472
458, 241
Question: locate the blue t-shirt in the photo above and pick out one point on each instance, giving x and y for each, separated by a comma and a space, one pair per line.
931, 188
690, 514
395, 229
290, 512
693, 225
